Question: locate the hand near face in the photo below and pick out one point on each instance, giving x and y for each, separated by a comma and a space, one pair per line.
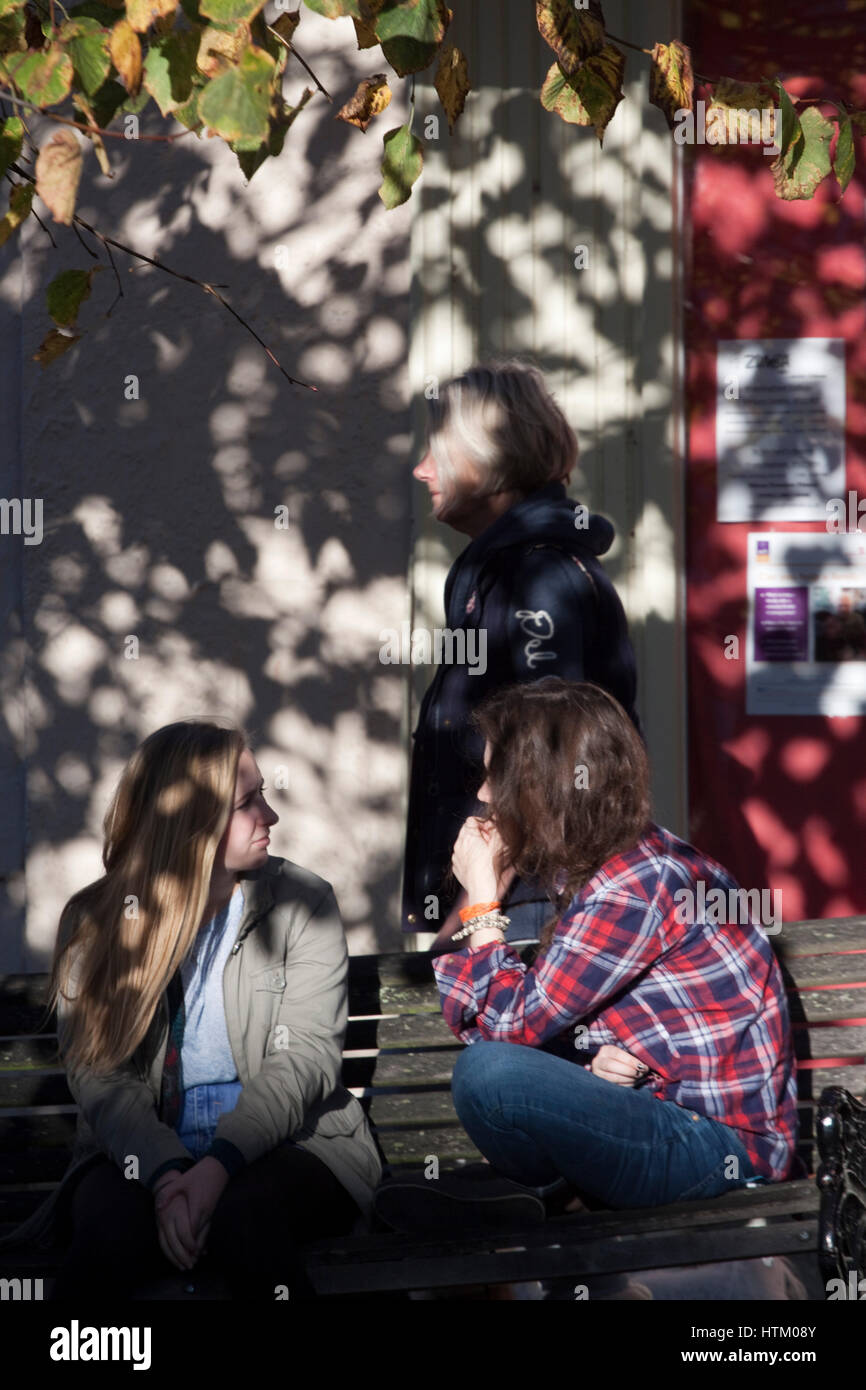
476, 851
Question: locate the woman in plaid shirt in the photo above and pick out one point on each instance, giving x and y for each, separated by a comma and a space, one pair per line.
643, 979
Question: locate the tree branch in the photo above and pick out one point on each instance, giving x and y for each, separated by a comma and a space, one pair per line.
91, 129
108, 241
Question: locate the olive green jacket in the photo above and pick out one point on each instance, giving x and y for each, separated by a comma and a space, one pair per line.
286, 1007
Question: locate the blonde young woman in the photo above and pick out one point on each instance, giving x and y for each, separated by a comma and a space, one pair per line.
200, 985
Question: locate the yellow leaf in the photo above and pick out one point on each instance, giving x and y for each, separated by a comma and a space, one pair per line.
125, 50
218, 51
452, 82
370, 98
58, 171
142, 13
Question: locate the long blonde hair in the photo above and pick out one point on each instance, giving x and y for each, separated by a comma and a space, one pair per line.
121, 939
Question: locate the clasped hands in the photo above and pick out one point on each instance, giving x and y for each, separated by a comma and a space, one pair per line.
184, 1204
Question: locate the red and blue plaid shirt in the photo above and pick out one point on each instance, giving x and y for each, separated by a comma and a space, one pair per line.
703, 1005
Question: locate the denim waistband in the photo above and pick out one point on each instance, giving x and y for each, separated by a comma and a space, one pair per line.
201, 1107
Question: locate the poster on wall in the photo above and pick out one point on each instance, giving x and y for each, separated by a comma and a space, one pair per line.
780, 428
806, 639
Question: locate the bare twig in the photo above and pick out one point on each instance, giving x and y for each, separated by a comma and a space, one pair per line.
108, 241
302, 61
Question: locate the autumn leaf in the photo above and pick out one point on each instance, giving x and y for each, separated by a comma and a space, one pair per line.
452, 82
591, 96
236, 105
671, 80
125, 50
401, 166
574, 35
843, 164
285, 24
43, 78
11, 140
67, 292
20, 200
335, 9
142, 13
219, 50
58, 171
54, 346
370, 98
807, 163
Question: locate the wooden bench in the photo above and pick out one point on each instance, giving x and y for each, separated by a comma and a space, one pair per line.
398, 1059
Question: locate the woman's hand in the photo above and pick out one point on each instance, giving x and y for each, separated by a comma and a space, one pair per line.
173, 1226
184, 1208
473, 861
615, 1064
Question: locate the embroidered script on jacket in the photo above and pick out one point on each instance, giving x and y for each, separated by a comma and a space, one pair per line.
539, 628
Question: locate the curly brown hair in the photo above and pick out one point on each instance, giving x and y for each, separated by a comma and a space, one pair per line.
569, 781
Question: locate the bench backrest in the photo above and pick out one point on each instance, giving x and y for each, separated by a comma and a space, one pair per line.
399, 1055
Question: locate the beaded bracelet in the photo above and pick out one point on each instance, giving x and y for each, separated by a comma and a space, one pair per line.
486, 919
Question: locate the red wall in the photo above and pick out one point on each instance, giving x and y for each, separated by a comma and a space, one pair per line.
780, 800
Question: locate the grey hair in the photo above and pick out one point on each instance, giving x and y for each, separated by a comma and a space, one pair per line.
501, 418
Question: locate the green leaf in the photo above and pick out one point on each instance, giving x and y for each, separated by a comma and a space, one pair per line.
107, 102
7, 6
574, 35
105, 15
671, 81
170, 67
236, 104
11, 141
66, 293
20, 200
591, 96
410, 33
401, 166
252, 160
335, 9
12, 39
86, 42
792, 134
44, 78
231, 11
798, 174
843, 164
188, 113
559, 95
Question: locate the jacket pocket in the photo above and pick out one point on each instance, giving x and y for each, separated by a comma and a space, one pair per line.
271, 978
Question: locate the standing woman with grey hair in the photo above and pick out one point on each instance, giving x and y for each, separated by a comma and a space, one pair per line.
499, 453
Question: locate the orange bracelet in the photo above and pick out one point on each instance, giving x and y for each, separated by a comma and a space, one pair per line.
476, 910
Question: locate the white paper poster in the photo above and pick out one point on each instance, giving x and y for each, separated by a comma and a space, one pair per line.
780, 428
806, 642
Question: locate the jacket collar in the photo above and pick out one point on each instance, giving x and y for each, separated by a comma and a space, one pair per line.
259, 896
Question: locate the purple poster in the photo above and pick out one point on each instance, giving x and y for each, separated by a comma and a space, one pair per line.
782, 624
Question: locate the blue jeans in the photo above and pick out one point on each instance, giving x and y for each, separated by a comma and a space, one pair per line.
539, 1118
202, 1107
